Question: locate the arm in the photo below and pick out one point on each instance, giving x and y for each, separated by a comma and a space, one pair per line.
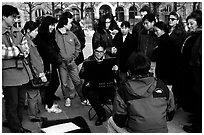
14, 51
77, 47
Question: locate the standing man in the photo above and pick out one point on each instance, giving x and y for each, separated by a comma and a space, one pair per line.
69, 50
15, 70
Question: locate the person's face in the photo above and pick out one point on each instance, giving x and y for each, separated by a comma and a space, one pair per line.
124, 30
34, 33
192, 25
69, 24
108, 21
148, 25
172, 20
99, 53
143, 13
58, 15
158, 32
10, 20
51, 27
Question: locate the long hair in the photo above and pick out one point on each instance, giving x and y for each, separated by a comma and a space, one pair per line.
44, 27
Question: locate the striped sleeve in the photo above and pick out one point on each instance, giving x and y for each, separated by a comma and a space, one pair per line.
9, 52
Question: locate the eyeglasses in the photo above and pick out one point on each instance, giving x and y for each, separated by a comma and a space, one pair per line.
172, 19
96, 51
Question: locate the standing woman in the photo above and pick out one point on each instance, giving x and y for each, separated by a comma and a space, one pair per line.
192, 71
102, 35
49, 51
178, 34
164, 54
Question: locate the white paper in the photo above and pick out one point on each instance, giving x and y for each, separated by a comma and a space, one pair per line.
61, 128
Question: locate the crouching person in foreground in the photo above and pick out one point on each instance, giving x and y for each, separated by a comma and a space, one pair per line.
142, 103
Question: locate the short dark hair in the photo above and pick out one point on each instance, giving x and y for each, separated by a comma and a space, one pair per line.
67, 14
126, 24
138, 63
8, 10
62, 21
145, 8
150, 17
162, 26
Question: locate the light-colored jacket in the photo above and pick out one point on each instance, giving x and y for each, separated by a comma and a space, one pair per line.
12, 44
69, 45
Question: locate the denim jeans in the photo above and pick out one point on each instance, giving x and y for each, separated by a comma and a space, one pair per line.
70, 72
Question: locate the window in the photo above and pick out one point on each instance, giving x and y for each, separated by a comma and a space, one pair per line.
120, 14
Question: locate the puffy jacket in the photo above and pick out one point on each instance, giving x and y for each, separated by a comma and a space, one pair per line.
141, 105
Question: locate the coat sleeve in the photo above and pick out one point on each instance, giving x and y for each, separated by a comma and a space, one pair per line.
120, 109
77, 47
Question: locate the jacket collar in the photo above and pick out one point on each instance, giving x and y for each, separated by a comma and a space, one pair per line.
9, 29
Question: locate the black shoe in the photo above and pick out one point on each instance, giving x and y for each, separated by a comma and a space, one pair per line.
38, 119
191, 129
100, 120
56, 98
5, 124
23, 130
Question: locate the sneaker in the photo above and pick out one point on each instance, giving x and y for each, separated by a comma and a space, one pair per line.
85, 102
67, 102
53, 109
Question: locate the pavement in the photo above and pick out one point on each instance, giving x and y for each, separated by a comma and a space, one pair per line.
76, 109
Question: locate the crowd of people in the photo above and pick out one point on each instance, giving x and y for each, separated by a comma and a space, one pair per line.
158, 69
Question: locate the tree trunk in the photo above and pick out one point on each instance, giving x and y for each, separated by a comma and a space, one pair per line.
175, 6
82, 9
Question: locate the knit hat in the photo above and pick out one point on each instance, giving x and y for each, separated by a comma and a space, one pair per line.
138, 64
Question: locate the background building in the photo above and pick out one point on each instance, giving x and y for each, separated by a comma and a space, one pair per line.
88, 11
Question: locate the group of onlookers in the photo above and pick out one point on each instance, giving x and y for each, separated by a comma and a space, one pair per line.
158, 64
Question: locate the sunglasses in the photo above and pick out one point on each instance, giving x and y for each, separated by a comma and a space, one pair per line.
172, 19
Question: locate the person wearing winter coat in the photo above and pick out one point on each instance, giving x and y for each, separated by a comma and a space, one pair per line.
69, 50
142, 102
101, 34
30, 30
192, 72
15, 70
178, 34
49, 51
125, 45
164, 54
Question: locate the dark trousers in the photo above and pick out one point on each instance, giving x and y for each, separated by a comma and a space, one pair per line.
14, 105
98, 96
51, 88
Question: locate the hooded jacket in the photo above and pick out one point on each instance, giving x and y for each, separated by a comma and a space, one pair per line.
141, 105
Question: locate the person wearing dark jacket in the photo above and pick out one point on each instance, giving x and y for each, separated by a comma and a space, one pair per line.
125, 44
49, 51
192, 72
164, 54
142, 102
178, 34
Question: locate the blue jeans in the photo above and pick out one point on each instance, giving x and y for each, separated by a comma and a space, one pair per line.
70, 72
